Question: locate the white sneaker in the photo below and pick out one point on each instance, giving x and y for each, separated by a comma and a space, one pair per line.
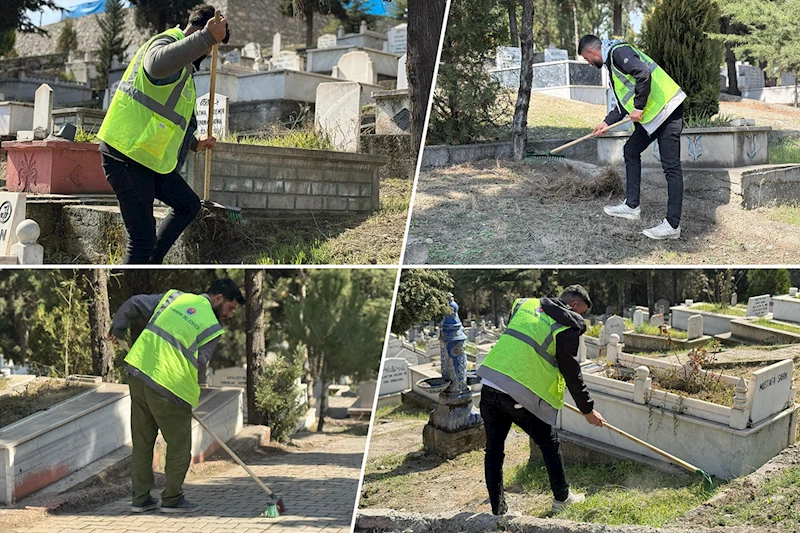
663, 231
623, 211
572, 499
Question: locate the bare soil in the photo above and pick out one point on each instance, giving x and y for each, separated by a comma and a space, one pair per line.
504, 213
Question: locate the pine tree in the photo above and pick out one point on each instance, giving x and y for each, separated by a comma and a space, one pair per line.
354, 12
112, 42
7, 40
677, 35
14, 15
68, 38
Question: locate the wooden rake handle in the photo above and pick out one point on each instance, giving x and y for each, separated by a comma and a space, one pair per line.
234, 456
211, 96
589, 136
677, 461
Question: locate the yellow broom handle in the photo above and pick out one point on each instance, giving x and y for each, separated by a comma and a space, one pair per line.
576, 141
211, 97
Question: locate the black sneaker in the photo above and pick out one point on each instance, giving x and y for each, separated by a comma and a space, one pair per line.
149, 505
182, 506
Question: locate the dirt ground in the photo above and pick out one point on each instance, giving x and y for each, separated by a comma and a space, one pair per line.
506, 212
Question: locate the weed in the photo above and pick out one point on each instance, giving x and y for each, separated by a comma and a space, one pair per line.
721, 308
785, 151
777, 325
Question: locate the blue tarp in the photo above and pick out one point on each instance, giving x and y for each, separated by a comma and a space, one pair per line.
89, 8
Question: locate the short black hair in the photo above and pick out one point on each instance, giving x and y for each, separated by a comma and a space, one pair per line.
576, 291
228, 289
200, 15
589, 41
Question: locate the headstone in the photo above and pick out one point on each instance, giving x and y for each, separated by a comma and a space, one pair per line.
366, 394
638, 318
276, 43
287, 60
793, 291
340, 32
338, 113
395, 377
472, 334
508, 57
230, 377
501, 323
12, 213
402, 78
657, 320
252, 50
688, 302
356, 66
758, 305
397, 39
694, 329
661, 307
326, 40
770, 389
43, 109
615, 325
260, 64
555, 54
234, 57
363, 27
734, 299
220, 115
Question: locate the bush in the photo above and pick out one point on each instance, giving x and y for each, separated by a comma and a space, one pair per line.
278, 397
768, 281
677, 36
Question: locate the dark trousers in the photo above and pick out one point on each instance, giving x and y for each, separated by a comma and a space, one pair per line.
150, 412
669, 145
498, 412
136, 188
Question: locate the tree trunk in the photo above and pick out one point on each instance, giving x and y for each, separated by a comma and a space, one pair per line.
520, 125
575, 24
675, 297
323, 404
618, 18
650, 296
100, 325
254, 334
512, 23
425, 19
621, 296
730, 59
308, 14
22, 333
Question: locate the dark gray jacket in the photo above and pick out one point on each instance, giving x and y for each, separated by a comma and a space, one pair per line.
627, 62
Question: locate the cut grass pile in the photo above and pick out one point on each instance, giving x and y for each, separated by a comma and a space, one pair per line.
777, 325
619, 493
571, 186
39, 395
739, 310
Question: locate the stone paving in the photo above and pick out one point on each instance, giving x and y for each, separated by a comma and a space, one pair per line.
318, 487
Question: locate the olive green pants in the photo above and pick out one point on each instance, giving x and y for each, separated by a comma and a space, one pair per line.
150, 412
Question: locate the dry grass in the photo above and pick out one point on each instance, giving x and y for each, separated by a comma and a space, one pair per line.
39, 395
607, 185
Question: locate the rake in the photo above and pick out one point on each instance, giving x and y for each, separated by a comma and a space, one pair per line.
553, 154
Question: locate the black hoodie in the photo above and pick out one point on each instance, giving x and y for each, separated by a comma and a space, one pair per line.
567, 343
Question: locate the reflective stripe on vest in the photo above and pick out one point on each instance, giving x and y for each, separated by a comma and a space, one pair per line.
166, 351
528, 372
662, 86
148, 122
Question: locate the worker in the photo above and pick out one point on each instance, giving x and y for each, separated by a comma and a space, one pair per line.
655, 104
150, 128
162, 365
524, 377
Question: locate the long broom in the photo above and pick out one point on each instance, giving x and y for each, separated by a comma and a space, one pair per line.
680, 462
555, 156
275, 506
232, 213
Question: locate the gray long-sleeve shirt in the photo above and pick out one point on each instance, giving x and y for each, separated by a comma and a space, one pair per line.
143, 306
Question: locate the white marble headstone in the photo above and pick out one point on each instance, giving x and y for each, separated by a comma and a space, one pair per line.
12, 212
395, 377
770, 390
287, 60
252, 50
402, 78
638, 318
234, 57
694, 329
366, 393
230, 377
508, 57
326, 40
338, 114
221, 114
657, 320
734, 299
758, 305
555, 54
397, 39
357, 66
276, 43
615, 325
43, 109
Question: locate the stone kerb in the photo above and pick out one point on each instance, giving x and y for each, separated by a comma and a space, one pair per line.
290, 179
713, 323
744, 329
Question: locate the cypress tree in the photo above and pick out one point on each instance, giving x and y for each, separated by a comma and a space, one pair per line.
112, 42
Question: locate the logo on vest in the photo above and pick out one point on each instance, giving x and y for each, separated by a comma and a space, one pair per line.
191, 311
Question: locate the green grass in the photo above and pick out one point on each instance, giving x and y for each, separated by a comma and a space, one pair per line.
777, 325
471, 349
739, 310
787, 151
647, 329
770, 507
717, 121
593, 331
305, 137
784, 213
619, 493
4, 383
404, 411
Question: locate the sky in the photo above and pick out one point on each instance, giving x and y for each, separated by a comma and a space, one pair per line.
49, 16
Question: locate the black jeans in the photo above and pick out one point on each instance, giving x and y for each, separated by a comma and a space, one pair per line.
669, 145
136, 188
498, 412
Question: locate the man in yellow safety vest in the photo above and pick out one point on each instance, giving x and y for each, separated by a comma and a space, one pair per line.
655, 104
149, 129
163, 373
524, 377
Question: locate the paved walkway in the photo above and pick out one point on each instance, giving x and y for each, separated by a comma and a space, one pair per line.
318, 488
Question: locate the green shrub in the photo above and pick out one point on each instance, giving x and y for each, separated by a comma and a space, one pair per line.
278, 397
